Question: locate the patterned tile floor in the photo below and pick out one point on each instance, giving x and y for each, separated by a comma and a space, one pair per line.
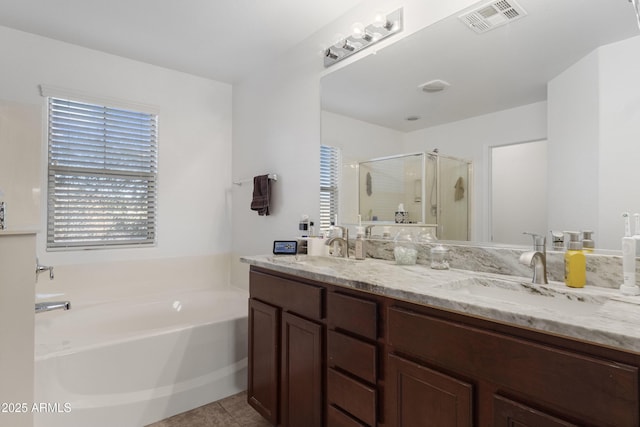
232, 411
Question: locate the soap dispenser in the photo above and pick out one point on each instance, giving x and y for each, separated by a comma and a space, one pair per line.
575, 262
360, 243
588, 245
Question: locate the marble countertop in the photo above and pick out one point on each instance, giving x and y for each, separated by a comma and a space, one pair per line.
595, 314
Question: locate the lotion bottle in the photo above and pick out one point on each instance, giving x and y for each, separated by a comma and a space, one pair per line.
575, 263
628, 286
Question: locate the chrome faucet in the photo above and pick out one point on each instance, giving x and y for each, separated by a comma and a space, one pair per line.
537, 258
41, 307
367, 231
42, 268
343, 241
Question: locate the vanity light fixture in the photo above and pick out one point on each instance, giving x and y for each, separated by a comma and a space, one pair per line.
362, 37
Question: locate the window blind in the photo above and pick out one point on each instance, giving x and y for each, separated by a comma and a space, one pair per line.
329, 162
102, 176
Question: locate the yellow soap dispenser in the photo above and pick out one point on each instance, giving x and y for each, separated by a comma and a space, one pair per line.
575, 262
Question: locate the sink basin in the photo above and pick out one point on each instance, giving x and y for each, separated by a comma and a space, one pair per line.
560, 299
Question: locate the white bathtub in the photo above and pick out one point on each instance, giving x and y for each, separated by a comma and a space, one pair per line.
137, 361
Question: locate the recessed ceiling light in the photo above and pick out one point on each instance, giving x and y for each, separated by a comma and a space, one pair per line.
412, 118
434, 86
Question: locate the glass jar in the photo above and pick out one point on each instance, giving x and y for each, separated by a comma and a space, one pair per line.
426, 236
439, 258
404, 250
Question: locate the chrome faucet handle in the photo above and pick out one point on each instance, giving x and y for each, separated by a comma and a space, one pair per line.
41, 268
539, 241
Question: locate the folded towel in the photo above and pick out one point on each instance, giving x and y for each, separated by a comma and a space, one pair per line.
459, 189
261, 194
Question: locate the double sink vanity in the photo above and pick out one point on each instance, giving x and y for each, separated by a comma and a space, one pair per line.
340, 342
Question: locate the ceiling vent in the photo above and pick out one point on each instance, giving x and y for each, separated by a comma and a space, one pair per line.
492, 15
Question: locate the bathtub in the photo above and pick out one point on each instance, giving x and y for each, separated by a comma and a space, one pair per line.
137, 361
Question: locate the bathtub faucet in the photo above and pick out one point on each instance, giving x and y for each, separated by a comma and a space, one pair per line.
42, 268
41, 307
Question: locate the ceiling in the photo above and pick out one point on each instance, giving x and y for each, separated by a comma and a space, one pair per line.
503, 68
223, 40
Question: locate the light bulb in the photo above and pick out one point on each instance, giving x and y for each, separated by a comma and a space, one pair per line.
338, 41
380, 19
357, 30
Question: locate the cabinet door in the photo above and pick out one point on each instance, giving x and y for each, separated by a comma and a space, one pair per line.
301, 372
507, 413
421, 397
264, 358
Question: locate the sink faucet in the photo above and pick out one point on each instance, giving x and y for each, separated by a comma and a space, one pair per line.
41, 307
537, 258
343, 241
367, 231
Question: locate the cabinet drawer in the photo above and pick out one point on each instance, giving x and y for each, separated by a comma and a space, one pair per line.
586, 387
352, 314
337, 418
352, 396
293, 296
352, 355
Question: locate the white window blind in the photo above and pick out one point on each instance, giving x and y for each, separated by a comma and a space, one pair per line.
101, 177
329, 169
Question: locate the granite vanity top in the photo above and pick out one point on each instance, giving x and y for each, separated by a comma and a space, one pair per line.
595, 314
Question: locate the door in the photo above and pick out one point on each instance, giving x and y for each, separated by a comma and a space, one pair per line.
264, 355
301, 372
421, 397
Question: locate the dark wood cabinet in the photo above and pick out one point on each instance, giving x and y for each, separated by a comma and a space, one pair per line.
558, 384
301, 372
323, 355
507, 413
352, 376
286, 351
423, 397
264, 359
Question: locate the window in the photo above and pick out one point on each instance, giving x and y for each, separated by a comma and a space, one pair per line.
329, 168
102, 176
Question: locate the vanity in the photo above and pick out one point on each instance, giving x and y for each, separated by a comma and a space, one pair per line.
336, 342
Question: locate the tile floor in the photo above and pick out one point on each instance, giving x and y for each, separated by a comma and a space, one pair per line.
232, 411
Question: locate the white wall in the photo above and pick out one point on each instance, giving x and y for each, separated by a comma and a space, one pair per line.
194, 218
472, 138
276, 127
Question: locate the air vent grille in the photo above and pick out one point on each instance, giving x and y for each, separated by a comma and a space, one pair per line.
492, 15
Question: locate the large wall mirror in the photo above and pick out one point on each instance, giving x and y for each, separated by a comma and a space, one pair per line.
565, 73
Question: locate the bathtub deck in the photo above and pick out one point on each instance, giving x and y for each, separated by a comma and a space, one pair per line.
232, 411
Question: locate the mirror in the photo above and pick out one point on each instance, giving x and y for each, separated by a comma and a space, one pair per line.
565, 72
431, 191
390, 189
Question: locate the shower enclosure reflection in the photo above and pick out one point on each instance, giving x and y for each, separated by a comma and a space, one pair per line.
434, 190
